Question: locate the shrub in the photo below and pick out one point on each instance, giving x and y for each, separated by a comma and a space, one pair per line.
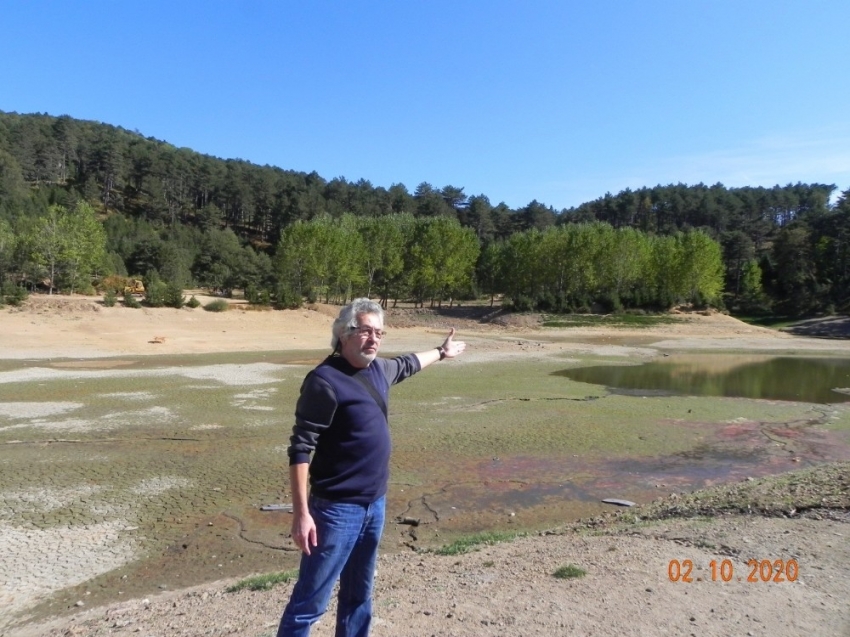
263, 582
114, 283
569, 571
287, 298
193, 302
155, 293
131, 301
173, 296
219, 305
110, 298
519, 304
610, 303
13, 294
471, 542
257, 296
547, 303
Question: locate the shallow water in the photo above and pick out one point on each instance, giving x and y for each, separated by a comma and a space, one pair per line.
814, 380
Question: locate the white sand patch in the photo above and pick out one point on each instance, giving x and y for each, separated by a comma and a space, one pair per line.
257, 394
226, 374
248, 399
619, 351
779, 341
36, 563
130, 395
69, 424
42, 500
31, 374
253, 424
36, 410
152, 415
205, 427
160, 484
252, 374
107, 422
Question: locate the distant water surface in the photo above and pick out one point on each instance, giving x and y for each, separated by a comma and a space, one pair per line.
815, 380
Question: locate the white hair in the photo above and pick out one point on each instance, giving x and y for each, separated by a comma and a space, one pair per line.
347, 319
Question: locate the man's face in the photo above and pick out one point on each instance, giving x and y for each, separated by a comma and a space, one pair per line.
361, 347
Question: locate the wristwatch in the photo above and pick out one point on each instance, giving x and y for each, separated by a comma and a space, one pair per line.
442, 352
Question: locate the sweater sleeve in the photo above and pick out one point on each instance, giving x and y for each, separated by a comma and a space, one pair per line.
397, 369
314, 413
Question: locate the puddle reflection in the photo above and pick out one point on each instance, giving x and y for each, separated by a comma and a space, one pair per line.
815, 380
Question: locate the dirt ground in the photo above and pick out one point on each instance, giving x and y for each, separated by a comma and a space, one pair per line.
508, 588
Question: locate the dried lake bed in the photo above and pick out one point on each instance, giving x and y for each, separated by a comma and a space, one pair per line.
129, 467
126, 476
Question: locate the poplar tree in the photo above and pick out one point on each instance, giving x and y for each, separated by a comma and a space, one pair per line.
69, 245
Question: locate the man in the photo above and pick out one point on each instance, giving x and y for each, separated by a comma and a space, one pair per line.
341, 418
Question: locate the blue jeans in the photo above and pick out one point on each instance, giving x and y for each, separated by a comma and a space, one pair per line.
348, 537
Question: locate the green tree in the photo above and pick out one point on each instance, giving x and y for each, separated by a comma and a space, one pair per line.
752, 292
794, 270
8, 246
155, 290
384, 248
701, 269
295, 260
347, 252
479, 216
47, 243
441, 259
666, 261
68, 245
738, 251
627, 257
489, 271
173, 296
85, 250
523, 269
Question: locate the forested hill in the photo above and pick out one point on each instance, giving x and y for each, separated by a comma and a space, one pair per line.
144, 178
197, 219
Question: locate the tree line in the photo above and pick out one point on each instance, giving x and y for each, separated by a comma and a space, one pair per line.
193, 219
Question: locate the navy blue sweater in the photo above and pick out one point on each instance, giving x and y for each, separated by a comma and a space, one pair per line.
337, 418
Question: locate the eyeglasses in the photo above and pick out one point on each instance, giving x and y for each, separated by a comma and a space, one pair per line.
364, 332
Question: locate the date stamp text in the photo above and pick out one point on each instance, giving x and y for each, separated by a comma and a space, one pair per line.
724, 571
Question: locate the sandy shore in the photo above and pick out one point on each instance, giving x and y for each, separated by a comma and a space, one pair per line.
81, 327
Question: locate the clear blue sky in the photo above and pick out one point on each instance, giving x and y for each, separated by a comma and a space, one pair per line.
557, 101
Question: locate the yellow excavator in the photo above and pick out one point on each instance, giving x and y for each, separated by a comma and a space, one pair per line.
134, 286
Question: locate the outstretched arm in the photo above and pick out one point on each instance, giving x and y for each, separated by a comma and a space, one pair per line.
449, 349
